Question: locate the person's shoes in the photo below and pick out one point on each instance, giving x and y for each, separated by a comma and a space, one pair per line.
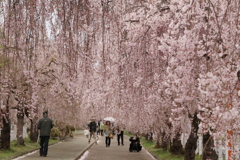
118, 144
41, 155
96, 143
122, 144
44, 155
88, 141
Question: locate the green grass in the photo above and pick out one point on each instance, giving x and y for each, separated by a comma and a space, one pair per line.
17, 150
159, 153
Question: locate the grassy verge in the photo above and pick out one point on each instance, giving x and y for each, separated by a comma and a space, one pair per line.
17, 150
159, 153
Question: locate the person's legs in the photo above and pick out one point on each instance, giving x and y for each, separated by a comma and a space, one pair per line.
118, 138
90, 136
45, 145
41, 145
109, 141
121, 138
106, 141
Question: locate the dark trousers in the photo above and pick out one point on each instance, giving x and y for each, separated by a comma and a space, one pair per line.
44, 145
108, 141
120, 136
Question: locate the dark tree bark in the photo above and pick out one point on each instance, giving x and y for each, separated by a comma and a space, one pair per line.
33, 126
33, 131
164, 141
146, 136
151, 136
208, 143
191, 144
157, 144
176, 147
6, 128
5, 135
20, 123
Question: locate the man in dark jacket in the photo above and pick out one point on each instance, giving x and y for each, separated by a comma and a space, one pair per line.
92, 129
44, 125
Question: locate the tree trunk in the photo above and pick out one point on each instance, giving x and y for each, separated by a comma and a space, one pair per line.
5, 135
151, 136
191, 144
208, 143
33, 132
176, 147
157, 144
20, 123
33, 125
164, 141
146, 136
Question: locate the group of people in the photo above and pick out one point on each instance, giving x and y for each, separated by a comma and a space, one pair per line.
107, 129
104, 128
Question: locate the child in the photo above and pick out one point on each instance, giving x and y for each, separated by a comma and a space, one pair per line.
86, 132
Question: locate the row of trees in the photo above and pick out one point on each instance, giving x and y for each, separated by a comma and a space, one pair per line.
166, 67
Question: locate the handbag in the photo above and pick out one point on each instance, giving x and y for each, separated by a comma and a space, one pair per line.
110, 135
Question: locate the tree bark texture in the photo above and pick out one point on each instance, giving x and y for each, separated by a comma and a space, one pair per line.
33, 132
208, 143
151, 136
20, 123
5, 135
164, 141
191, 144
157, 145
176, 147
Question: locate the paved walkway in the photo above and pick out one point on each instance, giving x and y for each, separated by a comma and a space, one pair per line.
78, 148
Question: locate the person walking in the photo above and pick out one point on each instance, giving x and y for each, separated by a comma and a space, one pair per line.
92, 129
45, 125
101, 128
98, 127
120, 130
108, 133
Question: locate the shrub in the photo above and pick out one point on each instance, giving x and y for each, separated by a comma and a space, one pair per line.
55, 132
